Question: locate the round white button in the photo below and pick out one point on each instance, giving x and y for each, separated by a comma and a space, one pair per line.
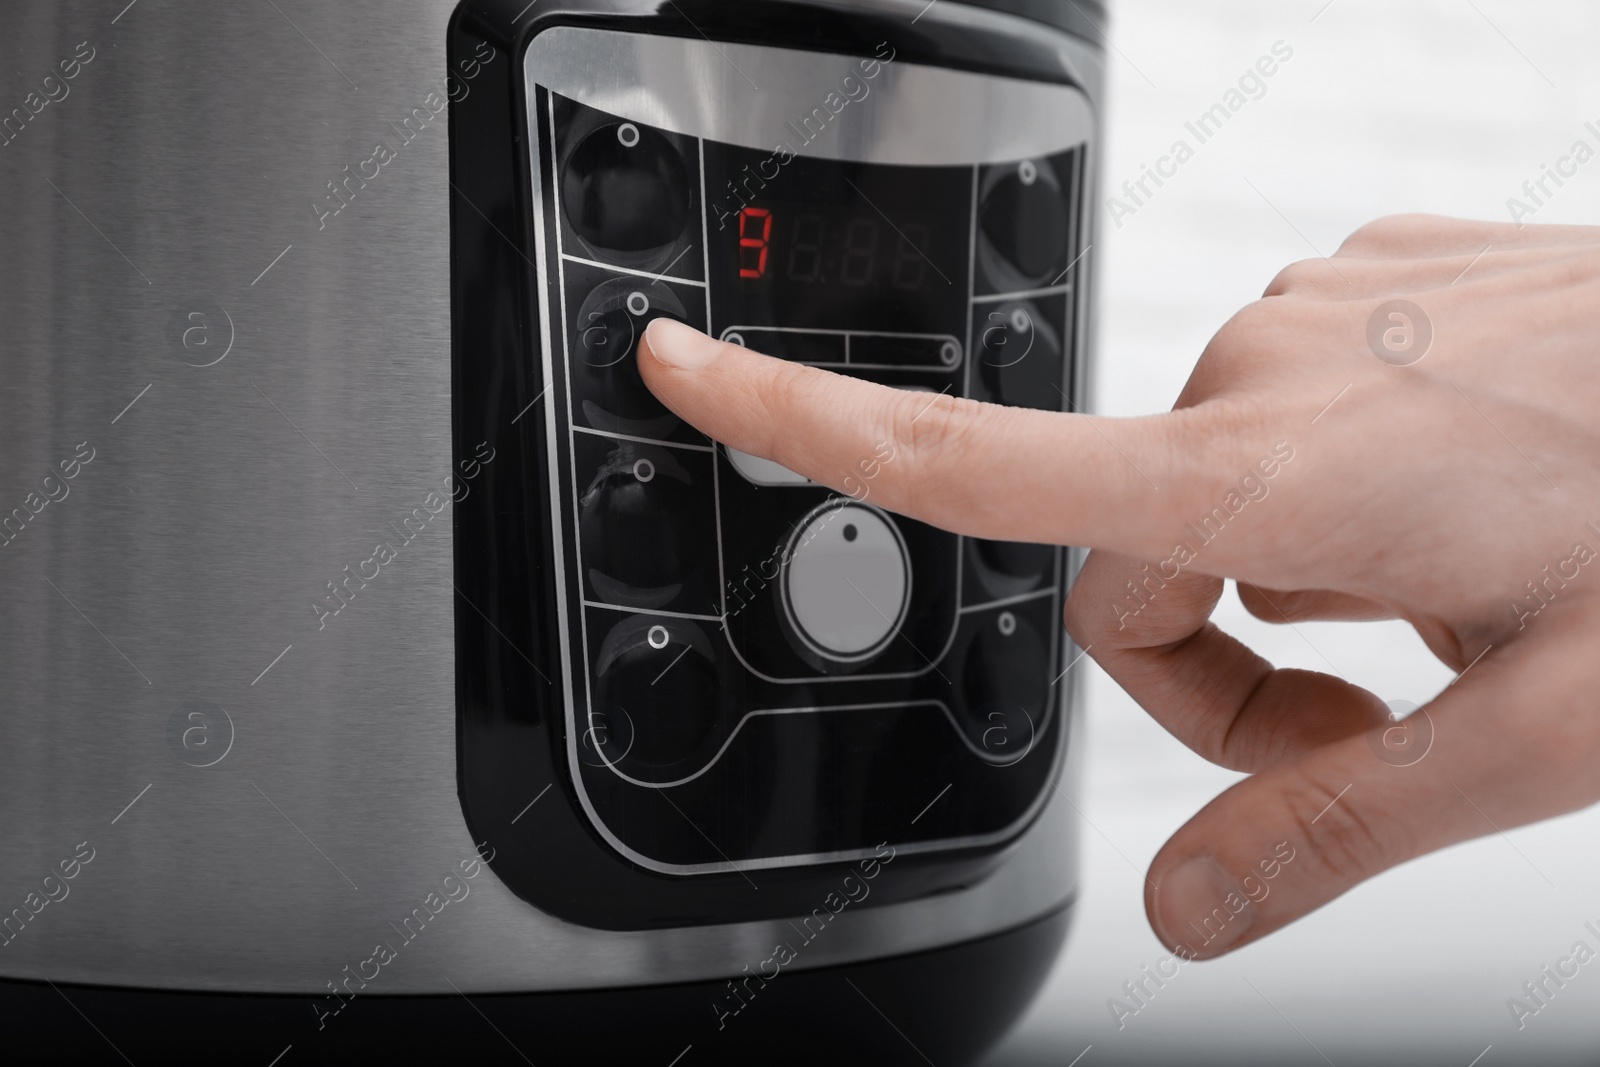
848, 582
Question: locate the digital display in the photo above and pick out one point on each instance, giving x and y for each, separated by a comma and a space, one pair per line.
816, 248
822, 244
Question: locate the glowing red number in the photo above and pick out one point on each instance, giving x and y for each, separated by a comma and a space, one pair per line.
753, 249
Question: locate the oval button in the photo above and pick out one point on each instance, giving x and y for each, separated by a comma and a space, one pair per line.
656, 691
848, 581
640, 526
1019, 359
605, 333
1007, 568
1005, 686
1024, 217
625, 188
1007, 663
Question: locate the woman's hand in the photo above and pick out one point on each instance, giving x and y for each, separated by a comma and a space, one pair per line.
1410, 429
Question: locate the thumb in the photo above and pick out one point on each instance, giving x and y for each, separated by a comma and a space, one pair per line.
1512, 742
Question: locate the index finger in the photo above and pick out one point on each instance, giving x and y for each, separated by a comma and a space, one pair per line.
978, 469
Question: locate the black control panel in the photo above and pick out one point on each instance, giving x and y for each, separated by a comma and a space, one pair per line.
765, 672
693, 687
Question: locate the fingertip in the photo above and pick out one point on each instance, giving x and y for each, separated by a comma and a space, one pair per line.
677, 345
1197, 909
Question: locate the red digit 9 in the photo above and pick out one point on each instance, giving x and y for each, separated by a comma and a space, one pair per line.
753, 248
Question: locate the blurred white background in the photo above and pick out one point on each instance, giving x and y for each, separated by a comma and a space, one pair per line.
1386, 106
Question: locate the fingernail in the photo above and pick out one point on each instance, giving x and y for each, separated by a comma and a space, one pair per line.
678, 345
1198, 907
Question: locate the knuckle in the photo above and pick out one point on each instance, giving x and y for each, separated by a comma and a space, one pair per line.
793, 387
1341, 837
1246, 331
1124, 604
1300, 276
1267, 342
926, 429
1390, 234
791, 392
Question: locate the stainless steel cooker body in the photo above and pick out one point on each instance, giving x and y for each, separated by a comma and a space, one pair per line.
228, 668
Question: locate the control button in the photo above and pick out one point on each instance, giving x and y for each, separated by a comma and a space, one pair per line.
1010, 568
1024, 218
637, 526
848, 581
1020, 354
1015, 558
656, 686
1005, 683
606, 333
758, 471
625, 188
1008, 334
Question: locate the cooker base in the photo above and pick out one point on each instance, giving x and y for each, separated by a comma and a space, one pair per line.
947, 1006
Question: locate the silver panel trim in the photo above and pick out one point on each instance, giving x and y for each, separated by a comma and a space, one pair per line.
570, 258
685, 445
920, 115
1005, 602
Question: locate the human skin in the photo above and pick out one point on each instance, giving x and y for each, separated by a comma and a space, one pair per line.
1432, 492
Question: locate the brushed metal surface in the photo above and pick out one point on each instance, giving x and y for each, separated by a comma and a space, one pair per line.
176, 575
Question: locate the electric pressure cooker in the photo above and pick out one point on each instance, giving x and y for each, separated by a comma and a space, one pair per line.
384, 669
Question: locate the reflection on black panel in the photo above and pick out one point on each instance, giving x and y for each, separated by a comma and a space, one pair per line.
1002, 569
646, 522
1027, 222
630, 194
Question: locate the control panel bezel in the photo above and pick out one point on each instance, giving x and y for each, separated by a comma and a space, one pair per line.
946, 866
